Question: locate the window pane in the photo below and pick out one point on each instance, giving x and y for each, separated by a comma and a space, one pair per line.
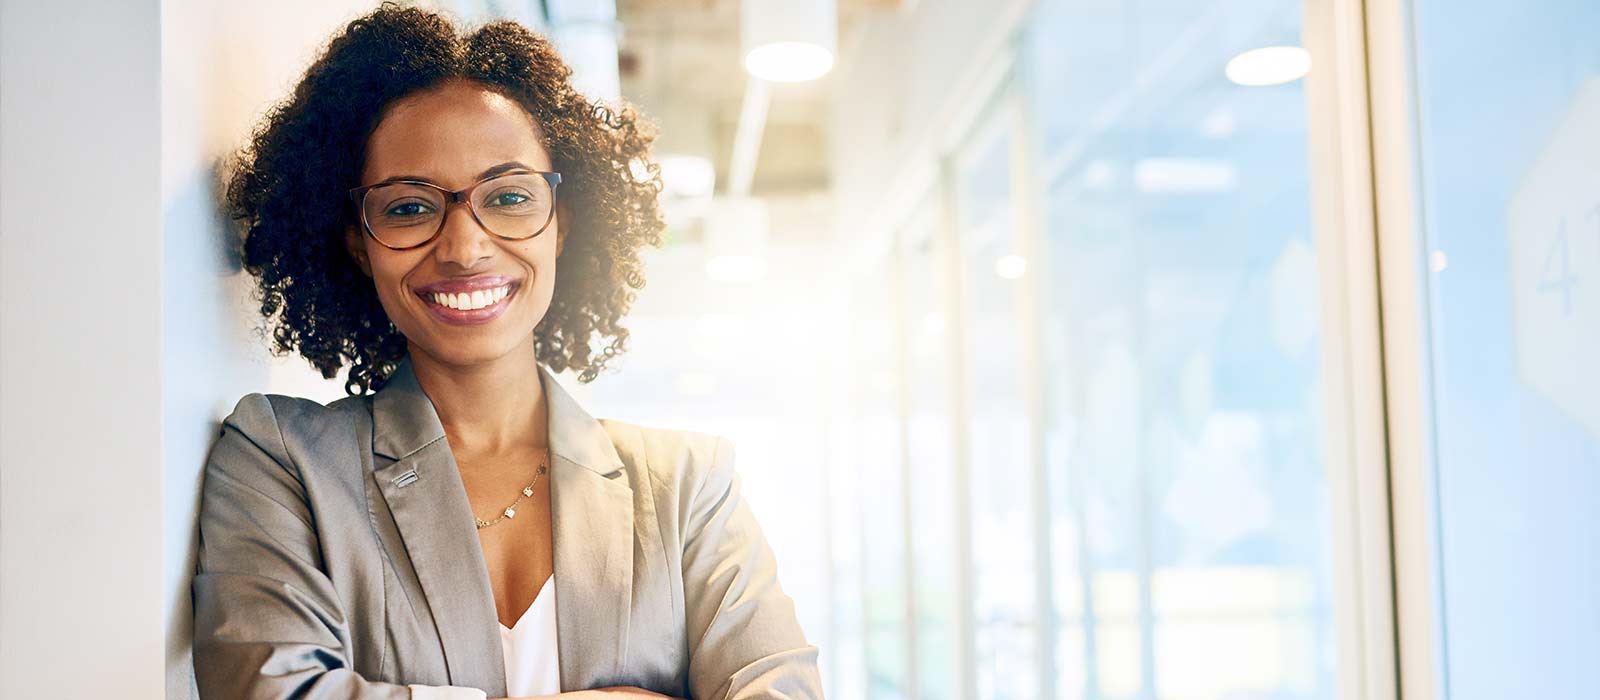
1002, 527
1189, 530
876, 466
929, 425
1508, 98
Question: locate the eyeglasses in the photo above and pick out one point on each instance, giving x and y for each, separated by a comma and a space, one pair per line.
405, 214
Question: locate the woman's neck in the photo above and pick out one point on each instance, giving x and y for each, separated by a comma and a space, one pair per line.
488, 408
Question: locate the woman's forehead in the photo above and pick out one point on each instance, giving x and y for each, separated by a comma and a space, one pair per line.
450, 134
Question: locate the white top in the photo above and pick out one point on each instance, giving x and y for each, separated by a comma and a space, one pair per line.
533, 666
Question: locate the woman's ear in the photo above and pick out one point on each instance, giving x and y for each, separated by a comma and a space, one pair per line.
357, 246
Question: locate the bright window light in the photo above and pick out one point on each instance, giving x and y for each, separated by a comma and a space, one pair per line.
736, 269
696, 384
1271, 65
687, 176
788, 61
1011, 267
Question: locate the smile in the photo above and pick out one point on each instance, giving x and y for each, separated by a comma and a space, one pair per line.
470, 301
477, 306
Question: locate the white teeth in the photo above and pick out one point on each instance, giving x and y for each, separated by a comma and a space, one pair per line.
474, 300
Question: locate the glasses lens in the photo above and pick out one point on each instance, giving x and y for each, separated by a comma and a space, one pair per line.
402, 214
514, 206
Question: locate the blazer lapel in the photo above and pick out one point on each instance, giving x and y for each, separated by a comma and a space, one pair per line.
592, 524
591, 507
429, 502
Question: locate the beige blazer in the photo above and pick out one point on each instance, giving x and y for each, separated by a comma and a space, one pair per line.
338, 559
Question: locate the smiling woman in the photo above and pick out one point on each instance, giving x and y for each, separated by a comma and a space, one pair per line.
290, 183
428, 153
367, 548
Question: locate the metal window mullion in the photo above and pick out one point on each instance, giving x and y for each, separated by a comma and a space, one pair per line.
1404, 294
949, 265
1028, 232
903, 406
1370, 323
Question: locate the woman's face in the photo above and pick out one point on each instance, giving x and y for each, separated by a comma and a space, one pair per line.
450, 136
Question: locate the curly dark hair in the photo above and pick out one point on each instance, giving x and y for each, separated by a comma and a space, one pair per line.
288, 186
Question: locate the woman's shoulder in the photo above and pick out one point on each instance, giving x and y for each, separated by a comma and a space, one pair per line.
680, 460
259, 407
284, 426
262, 414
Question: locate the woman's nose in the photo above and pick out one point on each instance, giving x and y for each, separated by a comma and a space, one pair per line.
463, 240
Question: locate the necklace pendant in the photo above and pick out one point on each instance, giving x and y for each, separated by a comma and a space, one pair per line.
511, 512
527, 491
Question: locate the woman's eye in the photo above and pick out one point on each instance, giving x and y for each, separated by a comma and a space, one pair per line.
506, 199
407, 209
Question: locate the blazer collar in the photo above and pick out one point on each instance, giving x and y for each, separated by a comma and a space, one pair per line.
404, 420
592, 531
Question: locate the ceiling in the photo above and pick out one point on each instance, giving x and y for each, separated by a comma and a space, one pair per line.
680, 63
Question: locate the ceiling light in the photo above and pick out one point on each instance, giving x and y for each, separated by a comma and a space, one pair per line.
1271, 65
788, 61
787, 41
1185, 175
1011, 267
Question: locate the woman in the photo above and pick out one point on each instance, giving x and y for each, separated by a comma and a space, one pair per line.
448, 214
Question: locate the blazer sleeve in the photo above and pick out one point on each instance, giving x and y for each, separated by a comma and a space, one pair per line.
745, 640
268, 624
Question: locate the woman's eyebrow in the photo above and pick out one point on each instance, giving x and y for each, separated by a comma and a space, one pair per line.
491, 172
502, 168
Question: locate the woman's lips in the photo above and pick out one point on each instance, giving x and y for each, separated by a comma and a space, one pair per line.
466, 284
468, 316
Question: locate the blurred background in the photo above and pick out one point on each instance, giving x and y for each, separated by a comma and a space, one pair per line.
1072, 349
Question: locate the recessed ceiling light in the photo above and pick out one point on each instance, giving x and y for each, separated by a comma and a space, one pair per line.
788, 62
1185, 175
788, 41
1011, 266
1270, 65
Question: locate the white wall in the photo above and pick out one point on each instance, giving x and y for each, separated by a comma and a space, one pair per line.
222, 66
80, 260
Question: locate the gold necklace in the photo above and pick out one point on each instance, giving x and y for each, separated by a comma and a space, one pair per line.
511, 510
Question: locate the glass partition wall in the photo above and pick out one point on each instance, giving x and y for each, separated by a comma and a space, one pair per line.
1108, 318
933, 480
876, 466
1221, 379
1006, 663
1502, 107
1189, 499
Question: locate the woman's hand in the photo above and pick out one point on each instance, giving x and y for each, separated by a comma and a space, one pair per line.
617, 692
